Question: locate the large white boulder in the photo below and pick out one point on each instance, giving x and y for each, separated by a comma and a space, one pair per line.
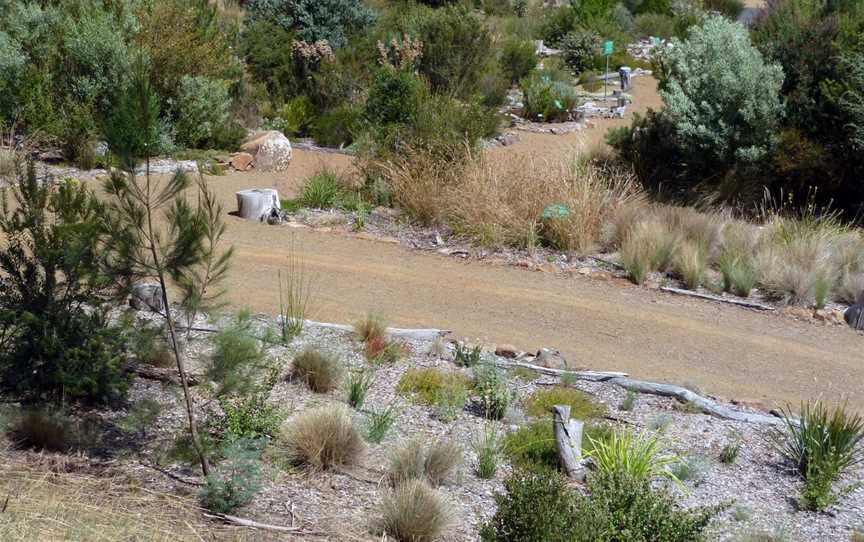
272, 150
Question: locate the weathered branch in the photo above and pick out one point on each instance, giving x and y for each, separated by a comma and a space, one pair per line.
593, 376
687, 396
568, 441
243, 522
730, 301
164, 374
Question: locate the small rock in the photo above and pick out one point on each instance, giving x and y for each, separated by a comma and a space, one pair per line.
506, 351
275, 217
584, 271
551, 359
241, 161
147, 297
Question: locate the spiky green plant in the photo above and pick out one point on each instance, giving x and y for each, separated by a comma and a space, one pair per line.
638, 455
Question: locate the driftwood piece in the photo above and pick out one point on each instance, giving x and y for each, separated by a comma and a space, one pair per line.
709, 297
593, 376
418, 334
568, 441
257, 203
702, 403
252, 524
163, 374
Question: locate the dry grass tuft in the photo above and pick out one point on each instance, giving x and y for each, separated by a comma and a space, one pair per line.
320, 371
323, 438
415, 512
435, 464
649, 247
372, 327
73, 506
503, 203
691, 264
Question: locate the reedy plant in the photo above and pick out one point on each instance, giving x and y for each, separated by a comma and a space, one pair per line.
294, 297
637, 455
155, 234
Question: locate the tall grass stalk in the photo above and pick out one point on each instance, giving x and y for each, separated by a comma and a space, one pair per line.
294, 297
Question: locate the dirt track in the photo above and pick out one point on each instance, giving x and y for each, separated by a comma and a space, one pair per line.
723, 350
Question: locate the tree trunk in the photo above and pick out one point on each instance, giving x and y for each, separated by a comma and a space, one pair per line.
568, 440
257, 203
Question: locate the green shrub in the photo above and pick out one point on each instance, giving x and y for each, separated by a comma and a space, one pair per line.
721, 47
248, 417
457, 46
449, 402
394, 97
729, 453
320, 371
629, 401
314, 20
535, 506
238, 359
435, 463
55, 339
202, 107
533, 446
467, 357
657, 25
693, 468
546, 99
414, 512
323, 438
582, 406
634, 455
539, 506
490, 384
339, 127
148, 345
426, 385
295, 117
379, 422
578, 48
236, 479
518, 58
141, 417
822, 444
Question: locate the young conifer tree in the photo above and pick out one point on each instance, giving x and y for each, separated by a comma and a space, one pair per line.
156, 233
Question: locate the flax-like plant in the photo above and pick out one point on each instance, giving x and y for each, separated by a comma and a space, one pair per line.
156, 234
638, 455
295, 295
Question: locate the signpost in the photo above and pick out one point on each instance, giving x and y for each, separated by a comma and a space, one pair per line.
608, 49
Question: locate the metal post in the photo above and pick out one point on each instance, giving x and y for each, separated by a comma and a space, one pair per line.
606, 80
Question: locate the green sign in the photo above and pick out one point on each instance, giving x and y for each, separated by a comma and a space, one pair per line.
556, 210
608, 47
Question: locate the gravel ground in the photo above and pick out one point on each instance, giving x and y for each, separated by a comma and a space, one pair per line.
341, 505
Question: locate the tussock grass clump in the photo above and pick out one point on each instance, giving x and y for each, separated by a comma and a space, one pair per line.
426, 385
488, 448
582, 406
822, 444
383, 350
320, 371
379, 422
323, 438
359, 382
372, 328
649, 247
323, 190
691, 264
414, 512
48, 430
434, 463
502, 204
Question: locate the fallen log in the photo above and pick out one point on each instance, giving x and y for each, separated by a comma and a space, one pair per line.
252, 524
418, 334
568, 441
709, 297
684, 395
164, 374
593, 376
